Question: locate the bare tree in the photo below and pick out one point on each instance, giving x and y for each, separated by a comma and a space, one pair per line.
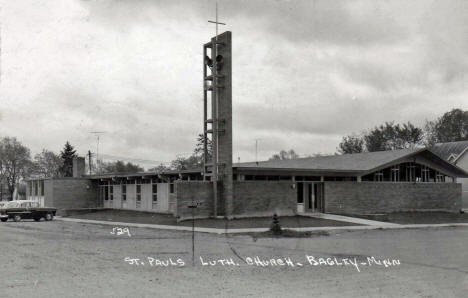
47, 164
15, 162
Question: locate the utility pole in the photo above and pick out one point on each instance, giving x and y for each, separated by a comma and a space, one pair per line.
89, 162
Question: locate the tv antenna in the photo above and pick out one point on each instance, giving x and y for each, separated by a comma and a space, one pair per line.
98, 135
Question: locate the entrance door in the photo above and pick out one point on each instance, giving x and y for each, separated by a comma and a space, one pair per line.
300, 197
310, 197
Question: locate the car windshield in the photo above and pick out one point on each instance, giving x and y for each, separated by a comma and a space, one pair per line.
13, 204
2, 204
20, 204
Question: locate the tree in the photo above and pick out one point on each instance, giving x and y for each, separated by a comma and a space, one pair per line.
351, 144
408, 136
191, 162
159, 169
194, 161
389, 136
451, 127
282, 155
47, 164
15, 162
380, 138
67, 154
199, 148
121, 167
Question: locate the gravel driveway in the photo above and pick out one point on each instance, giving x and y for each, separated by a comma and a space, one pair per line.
63, 259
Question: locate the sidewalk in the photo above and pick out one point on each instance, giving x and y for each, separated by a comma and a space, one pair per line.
257, 230
355, 220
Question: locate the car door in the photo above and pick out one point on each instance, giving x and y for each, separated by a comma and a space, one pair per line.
26, 210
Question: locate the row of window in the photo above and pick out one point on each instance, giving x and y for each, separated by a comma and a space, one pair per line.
135, 181
107, 192
36, 187
406, 172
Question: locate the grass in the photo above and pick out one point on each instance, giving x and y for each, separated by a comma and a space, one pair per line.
165, 219
419, 217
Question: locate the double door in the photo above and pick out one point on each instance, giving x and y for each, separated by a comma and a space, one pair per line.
310, 196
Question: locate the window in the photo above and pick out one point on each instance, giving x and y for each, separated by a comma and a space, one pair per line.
35, 188
425, 174
155, 193
411, 172
124, 192
111, 192
378, 176
106, 192
395, 173
138, 192
440, 177
42, 187
171, 188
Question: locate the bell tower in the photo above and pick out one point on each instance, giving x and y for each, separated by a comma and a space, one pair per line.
217, 78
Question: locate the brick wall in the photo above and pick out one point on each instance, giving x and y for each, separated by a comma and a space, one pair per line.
375, 197
72, 193
48, 193
263, 198
199, 191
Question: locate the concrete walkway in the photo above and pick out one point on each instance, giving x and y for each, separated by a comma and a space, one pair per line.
355, 220
258, 230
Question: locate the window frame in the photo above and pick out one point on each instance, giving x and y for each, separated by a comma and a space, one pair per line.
154, 194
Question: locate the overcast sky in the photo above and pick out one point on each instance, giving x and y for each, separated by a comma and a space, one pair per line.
305, 73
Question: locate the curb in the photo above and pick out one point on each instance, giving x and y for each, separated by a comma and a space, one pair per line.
258, 230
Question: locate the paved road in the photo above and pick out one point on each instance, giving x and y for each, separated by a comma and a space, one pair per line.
63, 259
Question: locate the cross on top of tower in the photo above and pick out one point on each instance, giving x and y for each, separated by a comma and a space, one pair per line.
216, 21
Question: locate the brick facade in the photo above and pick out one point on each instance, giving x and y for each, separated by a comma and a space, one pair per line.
71, 193
375, 197
198, 191
263, 198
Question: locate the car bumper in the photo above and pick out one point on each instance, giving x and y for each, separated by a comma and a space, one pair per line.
3, 216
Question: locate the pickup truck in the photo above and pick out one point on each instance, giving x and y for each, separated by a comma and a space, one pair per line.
25, 209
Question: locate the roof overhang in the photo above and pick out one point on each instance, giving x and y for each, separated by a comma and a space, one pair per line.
294, 171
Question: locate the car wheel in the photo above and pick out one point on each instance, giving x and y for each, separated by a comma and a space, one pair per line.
4, 219
49, 216
37, 218
17, 217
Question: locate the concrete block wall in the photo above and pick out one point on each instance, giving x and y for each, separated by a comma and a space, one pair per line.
199, 191
375, 197
263, 198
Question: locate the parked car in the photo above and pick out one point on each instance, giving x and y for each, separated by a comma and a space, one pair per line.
25, 209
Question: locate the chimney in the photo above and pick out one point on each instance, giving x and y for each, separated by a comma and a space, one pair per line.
78, 167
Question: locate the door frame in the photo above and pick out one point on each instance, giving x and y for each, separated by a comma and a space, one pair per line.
313, 197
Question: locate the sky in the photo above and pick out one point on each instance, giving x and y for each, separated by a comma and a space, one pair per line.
305, 73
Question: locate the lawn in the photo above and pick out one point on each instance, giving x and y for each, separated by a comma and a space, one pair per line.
419, 217
164, 219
